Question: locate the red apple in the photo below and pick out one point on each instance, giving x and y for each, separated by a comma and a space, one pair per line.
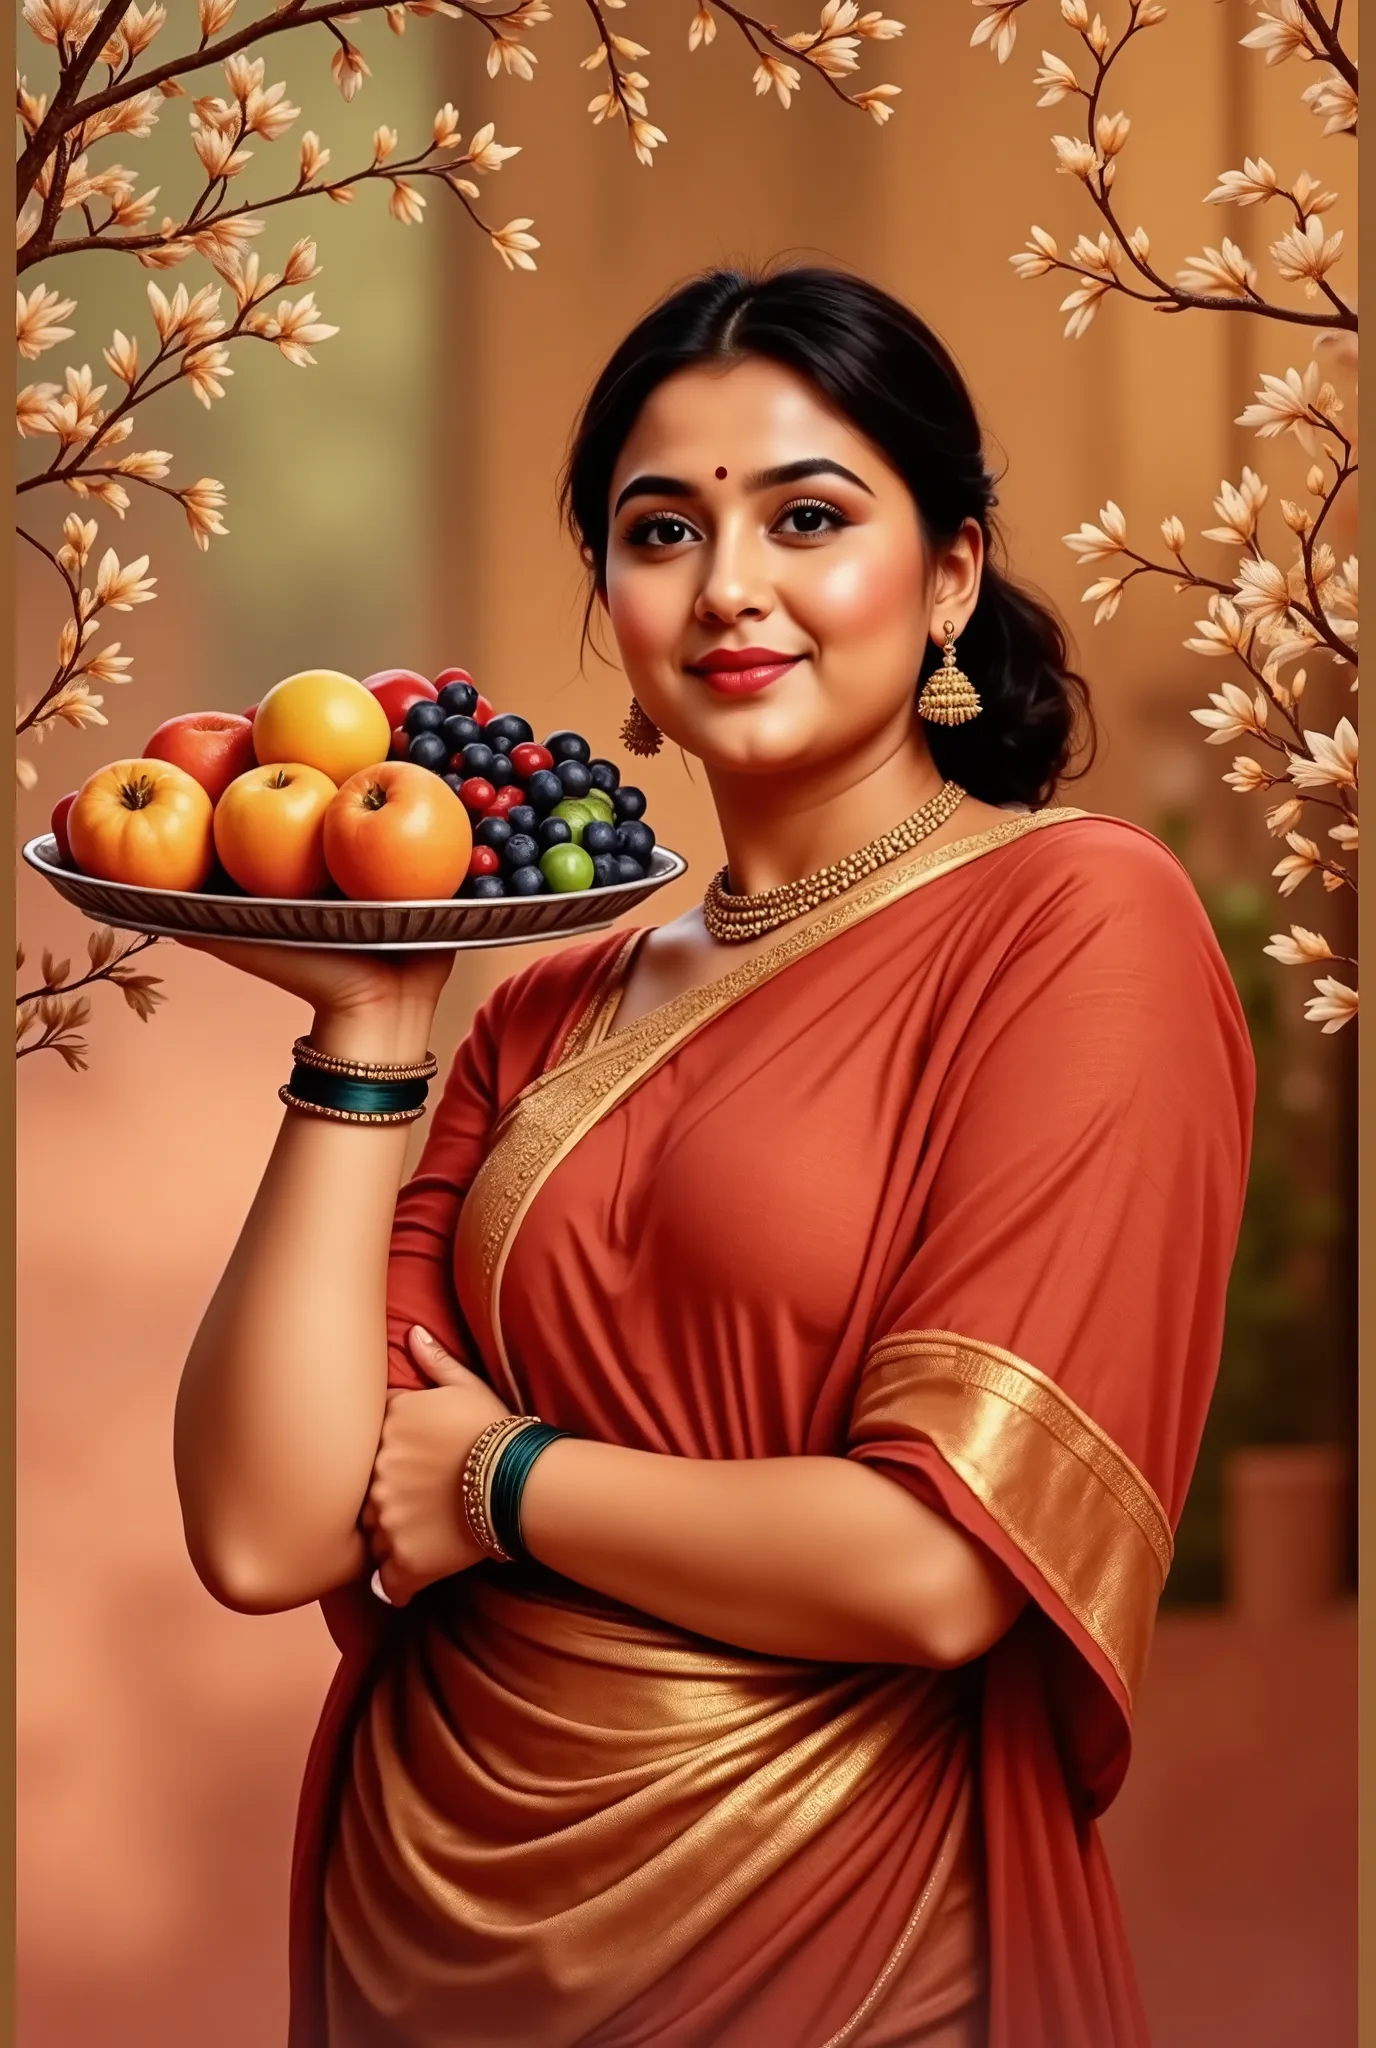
401, 743
214, 747
250, 714
451, 675
59, 827
397, 689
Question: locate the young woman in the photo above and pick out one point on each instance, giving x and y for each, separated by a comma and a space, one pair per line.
865, 1231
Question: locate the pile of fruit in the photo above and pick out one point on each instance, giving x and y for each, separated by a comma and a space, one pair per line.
395, 789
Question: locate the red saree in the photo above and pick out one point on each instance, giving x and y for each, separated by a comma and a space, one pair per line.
948, 1180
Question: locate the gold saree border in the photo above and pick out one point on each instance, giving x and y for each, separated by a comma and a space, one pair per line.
543, 1123
1055, 1482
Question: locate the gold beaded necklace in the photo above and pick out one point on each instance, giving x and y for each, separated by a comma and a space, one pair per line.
737, 918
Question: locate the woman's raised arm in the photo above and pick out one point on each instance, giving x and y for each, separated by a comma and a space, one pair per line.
281, 1400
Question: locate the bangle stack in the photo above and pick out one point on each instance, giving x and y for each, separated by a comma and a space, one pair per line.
357, 1091
494, 1478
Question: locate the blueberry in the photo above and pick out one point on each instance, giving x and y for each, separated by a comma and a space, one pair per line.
525, 882
428, 750
425, 715
568, 746
492, 832
507, 731
574, 777
460, 732
604, 874
501, 772
459, 699
520, 851
483, 887
628, 803
601, 838
477, 760
544, 790
636, 839
605, 775
523, 818
554, 832
628, 870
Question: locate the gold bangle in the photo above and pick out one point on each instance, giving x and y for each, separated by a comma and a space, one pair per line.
349, 1116
308, 1055
476, 1478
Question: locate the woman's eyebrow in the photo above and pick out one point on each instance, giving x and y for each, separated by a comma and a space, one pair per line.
761, 480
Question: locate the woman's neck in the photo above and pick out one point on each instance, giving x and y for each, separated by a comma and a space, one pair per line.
778, 828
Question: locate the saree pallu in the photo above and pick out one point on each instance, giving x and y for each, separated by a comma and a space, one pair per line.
947, 1180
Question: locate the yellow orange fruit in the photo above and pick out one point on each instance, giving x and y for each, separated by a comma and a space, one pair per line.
269, 829
323, 720
144, 822
397, 834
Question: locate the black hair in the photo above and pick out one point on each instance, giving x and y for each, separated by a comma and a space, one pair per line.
883, 369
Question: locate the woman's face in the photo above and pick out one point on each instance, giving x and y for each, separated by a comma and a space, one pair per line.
767, 578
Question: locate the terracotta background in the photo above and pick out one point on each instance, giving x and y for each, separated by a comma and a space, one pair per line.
395, 505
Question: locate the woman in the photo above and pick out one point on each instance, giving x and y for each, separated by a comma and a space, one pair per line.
866, 1233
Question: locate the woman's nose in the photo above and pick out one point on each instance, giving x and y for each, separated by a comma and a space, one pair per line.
735, 586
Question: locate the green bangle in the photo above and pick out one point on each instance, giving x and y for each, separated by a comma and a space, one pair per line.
345, 1095
508, 1482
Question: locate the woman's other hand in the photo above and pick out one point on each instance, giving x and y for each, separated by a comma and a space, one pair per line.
413, 1517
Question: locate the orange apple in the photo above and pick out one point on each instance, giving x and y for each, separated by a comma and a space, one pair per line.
214, 746
145, 822
324, 720
397, 834
269, 829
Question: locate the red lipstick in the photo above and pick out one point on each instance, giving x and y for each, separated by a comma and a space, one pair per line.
740, 671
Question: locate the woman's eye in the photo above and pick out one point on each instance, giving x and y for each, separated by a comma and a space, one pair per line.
659, 530
808, 517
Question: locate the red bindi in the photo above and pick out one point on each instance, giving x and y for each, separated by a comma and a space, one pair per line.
721, 473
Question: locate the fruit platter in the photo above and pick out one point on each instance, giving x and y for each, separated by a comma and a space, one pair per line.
399, 812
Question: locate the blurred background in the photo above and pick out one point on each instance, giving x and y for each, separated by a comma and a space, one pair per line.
395, 506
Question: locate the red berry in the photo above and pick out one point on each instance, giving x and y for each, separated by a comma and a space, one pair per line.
477, 793
450, 675
401, 743
482, 710
528, 758
506, 799
485, 861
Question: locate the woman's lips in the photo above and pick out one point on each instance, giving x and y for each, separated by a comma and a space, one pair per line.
732, 680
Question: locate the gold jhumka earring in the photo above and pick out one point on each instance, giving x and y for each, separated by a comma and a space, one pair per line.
948, 697
640, 734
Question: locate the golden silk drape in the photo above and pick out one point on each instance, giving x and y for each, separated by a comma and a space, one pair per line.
947, 1180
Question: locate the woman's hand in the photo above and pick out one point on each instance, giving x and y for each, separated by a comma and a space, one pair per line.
343, 983
413, 1517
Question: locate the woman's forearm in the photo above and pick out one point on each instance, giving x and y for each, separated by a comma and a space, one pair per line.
795, 1557
282, 1397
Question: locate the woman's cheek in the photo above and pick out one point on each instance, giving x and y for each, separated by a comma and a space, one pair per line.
861, 596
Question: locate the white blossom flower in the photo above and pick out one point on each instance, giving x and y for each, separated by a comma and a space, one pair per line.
702, 28
203, 371
1106, 593
1247, 776
1281, 32
1298, 947
1173, 534
214, 14
1301, 861
773, 75
1235, 715
1334, 101
513, 244
1256, 180
1334, 1005
1055, 80
1221, 273
33, 409
874, 101
313, 157
37, 318
1097, 543
1305, 255
1284, 816
298, 325
512, 57
1263, 591
1332, 762
203, 503
486, 155
998, 26
406, 205
349, 67
1040, 255
1082, 304
445, 131
1075, 156
1286, 404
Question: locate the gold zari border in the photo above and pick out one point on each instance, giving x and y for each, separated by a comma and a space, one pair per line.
1059, 1487
543, 1123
